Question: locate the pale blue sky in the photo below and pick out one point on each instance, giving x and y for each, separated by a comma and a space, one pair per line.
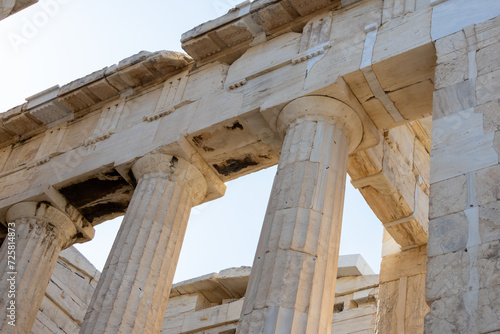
57, 41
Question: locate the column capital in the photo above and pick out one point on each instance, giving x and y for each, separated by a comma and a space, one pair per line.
322, 108
160, 165
47, 217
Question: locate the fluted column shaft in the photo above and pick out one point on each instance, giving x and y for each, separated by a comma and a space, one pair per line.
292, 284
133, 291
28, 256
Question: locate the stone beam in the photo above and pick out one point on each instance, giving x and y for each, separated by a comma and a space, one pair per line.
59, 104
394, 179
228, 37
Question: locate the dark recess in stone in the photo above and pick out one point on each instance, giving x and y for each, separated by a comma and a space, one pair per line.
208, 149
132, 178
198, 140
87, 191
94, 197
337, 308
235, 126
100, 210
231, 166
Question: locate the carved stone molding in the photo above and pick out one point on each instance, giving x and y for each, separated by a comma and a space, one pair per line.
45, 216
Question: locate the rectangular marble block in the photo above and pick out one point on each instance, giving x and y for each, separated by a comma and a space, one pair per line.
448, 234
455, 314
453, 99
448, 196
447, 275
459, 145
488, 87
487, 185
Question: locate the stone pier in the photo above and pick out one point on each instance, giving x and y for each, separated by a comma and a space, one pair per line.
41, 232
402, 305
132, 294
292, 284
463, 270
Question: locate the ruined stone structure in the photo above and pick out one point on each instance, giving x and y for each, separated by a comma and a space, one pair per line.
68, 294
208, 304
320, 87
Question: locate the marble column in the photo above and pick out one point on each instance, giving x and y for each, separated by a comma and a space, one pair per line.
132, 294
292, 284
38, 233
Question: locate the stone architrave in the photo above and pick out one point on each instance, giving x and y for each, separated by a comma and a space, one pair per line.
133, 291
292, 284
41, 232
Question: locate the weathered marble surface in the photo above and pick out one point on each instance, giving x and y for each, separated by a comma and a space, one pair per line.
68, 294
301, 232
132, 293
40, 233
462, 280
208, 304
402, 295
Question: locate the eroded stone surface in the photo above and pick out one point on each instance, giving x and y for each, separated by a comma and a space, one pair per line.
489, 222
141, 266
402, 289
447, 197
448, 315
453, 99
447, 275
487, 191
39, 232
489, 264
299, 242
489, 310
463, 239
491, 112
449, 234
68, 294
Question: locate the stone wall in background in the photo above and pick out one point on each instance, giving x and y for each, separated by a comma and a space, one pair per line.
209, 304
